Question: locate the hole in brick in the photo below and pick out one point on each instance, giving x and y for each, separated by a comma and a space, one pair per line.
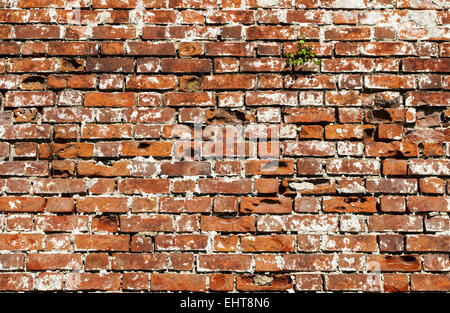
60, 173
353, 200
381, 115
262, 280
34, 79
74, 63
191, 84
108, 219
408, 258
275, 163
306, 184
25, 114
283, 189
143, 145
369, 132
387, 100
428, 117
319, 181
226, 216
240, 115
221, 116
269, 201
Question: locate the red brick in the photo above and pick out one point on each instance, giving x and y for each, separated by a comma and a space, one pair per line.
427, 204
141, 261
270, 32
101, 242
396, 282
390, 82
226, 243
273, 243
217, 185
308, 262
195, 32
151, 82
102, 204
392, 204
138, 223
265, 205
177, 281
97, 99
29, 98
221, 282
180, 205
185, 65
430, 282
387, 48
349, 204
222, 82
385, 223
308, 282
311, 82
54, 262
16, 282
189, 99
181, 261
416, 98
122, 32
147, 185
11, 262
225, 204
229, 49
348, 166
308, 148
394, 167
135, 281
391, 185
436, 262
425, 65
181, 242
364, 243
353, 282
92, 281
21, 242
430, 243
224, 262
59, 185
347, 33
263, 283
389, 263
22, 204
312, 223
237, 224
65, 223
150, 48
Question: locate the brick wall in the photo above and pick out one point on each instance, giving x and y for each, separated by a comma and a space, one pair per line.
162, 145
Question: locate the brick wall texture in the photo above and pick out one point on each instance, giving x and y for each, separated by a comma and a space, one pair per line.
157, 145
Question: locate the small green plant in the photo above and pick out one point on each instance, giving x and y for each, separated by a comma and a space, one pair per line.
303, 55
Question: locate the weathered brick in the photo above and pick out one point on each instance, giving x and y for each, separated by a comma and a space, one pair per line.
224, 262
237, 224
155, 145
403, 223
142, 261
353, 282
101, 242
177, 281
92, 281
